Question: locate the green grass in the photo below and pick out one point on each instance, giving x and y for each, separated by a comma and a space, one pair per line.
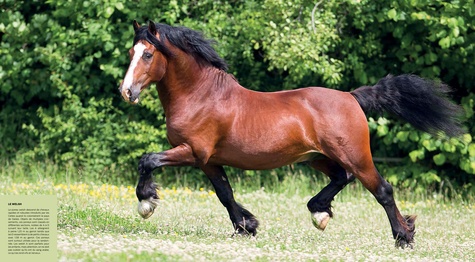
98, 222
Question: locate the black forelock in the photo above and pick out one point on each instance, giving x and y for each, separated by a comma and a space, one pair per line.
188, 40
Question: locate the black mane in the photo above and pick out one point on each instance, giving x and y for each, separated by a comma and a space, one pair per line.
189, 41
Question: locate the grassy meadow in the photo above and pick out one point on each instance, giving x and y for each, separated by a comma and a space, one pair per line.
98, 222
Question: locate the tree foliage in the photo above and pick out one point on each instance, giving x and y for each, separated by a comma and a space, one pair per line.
62, 62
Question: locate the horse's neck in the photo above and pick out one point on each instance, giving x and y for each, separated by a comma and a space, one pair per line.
201, 84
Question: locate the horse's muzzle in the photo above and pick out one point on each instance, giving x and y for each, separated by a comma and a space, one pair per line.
129, 95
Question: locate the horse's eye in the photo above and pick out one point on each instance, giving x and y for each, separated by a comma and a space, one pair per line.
147, 55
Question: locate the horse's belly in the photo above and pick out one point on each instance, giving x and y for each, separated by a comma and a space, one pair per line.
261, 160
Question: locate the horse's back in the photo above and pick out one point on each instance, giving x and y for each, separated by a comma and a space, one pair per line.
329, 110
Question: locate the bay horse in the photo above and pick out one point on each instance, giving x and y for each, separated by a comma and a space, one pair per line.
213, 121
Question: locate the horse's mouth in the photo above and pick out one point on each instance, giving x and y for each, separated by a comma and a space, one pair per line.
132, 100
136, 101
130, 97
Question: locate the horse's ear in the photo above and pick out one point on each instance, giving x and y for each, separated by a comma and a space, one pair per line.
151, 27
136, 25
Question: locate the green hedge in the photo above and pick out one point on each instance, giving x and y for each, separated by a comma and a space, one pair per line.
62, 62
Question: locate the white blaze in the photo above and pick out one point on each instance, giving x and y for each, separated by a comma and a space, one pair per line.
129, 77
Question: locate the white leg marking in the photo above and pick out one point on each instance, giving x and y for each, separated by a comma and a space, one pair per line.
147, 206
139, 48
320, 220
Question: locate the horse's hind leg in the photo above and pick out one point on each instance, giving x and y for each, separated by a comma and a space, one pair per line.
243, 221
320, 205
363, 168
402, 227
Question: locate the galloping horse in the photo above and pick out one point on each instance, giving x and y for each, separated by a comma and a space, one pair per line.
213, 121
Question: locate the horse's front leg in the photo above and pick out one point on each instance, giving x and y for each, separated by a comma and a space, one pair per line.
146, 190
243, 221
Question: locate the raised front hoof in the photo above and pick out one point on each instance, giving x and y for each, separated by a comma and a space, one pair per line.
146, 207
247, 228
320, 220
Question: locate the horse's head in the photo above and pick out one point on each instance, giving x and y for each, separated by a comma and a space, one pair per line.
147, 63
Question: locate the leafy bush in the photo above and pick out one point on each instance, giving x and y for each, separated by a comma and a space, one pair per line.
62, 62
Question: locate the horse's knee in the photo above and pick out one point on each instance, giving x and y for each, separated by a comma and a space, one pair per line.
148, 162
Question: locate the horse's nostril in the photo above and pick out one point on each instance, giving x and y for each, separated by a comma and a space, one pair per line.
129, 93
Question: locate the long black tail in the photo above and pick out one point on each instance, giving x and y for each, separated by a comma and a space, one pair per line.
422, 103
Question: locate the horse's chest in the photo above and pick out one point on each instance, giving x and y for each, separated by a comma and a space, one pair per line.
175, 135
188, 132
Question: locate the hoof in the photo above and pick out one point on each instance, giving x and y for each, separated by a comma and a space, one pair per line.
244, 233
320, 220
406, 239
247, 227
403, 243
146, 207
